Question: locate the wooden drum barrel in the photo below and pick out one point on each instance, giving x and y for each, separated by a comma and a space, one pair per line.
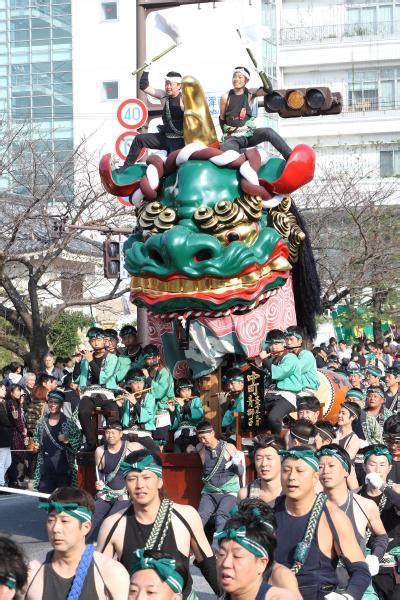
331, 394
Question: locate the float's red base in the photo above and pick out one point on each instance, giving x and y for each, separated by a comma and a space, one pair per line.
181, 475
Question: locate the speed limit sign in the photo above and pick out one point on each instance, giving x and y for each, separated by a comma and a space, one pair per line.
132, 113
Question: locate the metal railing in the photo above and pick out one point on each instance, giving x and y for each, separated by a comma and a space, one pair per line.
333, 33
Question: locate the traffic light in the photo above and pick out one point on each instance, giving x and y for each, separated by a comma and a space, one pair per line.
304, 102
111, 259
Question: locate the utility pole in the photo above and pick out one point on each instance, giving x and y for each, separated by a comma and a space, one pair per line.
143, 9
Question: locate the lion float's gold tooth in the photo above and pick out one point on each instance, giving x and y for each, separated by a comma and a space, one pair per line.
280, 264
252, 277
187, 286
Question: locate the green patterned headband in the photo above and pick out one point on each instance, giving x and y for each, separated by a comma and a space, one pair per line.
73, 509
335, 453
165, 568
9, 581
146, 464
308, 456
293, 334
239, 536
378, 451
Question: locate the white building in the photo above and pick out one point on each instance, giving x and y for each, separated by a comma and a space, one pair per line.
66, 65
353, 47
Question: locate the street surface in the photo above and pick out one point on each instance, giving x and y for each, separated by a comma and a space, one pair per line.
20, 517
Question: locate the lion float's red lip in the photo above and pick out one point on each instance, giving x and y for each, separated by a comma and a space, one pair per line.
218, 296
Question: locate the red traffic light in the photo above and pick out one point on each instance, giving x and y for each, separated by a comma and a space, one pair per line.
303, 102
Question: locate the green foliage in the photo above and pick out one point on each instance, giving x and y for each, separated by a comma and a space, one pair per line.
63, 334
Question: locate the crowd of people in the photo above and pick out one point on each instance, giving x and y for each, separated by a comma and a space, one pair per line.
319, 521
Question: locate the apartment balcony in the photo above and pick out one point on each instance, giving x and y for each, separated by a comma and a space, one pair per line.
339, 33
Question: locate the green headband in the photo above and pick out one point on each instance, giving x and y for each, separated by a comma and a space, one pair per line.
9, 581
73, 509
239, 536
373, 371
376, 390
165, 568
136, 378
276, 341
308, 456
355, 393
378, 451
146, 464
293, 334
335, 453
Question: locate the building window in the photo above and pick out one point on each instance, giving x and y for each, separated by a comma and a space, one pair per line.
372, 17
110, 90
377, 89
109, 10
389, 163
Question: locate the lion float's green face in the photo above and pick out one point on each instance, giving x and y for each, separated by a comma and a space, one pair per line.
202, 244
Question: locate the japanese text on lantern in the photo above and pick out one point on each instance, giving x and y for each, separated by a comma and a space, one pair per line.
253, 399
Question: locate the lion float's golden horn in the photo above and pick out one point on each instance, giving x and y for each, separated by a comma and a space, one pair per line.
197, 122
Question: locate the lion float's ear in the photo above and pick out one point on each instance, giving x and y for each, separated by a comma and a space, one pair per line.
198, 126
120, 184
279, 177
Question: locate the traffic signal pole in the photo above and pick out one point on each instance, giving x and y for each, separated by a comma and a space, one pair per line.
143, 9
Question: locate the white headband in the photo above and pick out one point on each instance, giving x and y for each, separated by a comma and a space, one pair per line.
173, 79
243, 72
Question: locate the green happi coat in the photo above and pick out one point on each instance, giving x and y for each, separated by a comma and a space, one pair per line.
287, 374
108, 373
74, 437
237, 407
308, 367
162, 388
147, 413
196, 414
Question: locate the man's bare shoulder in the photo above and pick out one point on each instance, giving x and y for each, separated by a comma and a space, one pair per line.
187, 511
276, 593
366, 504
109, 521
231, 449
109, 565
33, 567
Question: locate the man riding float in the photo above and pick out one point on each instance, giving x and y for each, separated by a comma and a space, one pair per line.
155, 522
96, 375
170, 134
237, 121
309, 374
285, 371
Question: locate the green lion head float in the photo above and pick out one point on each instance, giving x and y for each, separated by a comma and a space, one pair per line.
217, 233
